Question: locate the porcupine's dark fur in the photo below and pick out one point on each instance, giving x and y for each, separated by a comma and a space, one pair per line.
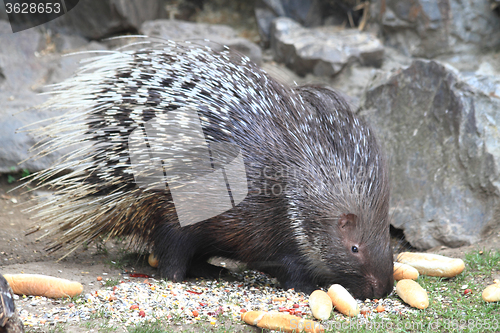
326, 222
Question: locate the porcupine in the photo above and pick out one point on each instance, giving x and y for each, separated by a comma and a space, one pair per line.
316, 212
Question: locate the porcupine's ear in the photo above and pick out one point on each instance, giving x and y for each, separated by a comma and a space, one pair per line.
347, 222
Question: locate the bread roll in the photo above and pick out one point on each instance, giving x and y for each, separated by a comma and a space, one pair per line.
43, 285
432, 264
492, 293
279, 321
412, 294
252, 317
320, 304
404, 271
343, 300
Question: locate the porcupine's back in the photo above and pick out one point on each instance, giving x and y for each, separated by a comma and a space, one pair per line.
114, 95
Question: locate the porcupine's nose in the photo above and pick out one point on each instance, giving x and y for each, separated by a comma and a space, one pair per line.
378, 287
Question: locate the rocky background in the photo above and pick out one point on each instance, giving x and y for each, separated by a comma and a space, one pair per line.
426, 75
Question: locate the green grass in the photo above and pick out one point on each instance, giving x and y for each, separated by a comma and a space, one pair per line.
75, 299
102, 326
126, 259
100, 314
58, 328
111, 282
483, 263
147, 327
157, 327
14, 175
106, 327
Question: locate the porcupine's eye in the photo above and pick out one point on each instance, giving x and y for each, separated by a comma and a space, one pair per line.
354, 249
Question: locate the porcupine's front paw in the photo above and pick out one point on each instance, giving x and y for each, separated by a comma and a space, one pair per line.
298, 278
289, 271
306, 287
173, 261
171, 272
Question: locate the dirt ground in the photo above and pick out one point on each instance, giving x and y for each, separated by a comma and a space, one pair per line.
20, 253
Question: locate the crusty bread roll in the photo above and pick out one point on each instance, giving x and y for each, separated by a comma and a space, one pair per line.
432, 264
279, 321
492, 293
252, 317
43, 285
412, 294
320, 304
404, 271
343, 300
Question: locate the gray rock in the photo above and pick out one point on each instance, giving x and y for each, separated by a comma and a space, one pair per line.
441, 134
3, 13
27, 64
307, 13
97, 19
9, 319
425, 28
487, 63
324, 51
218, 35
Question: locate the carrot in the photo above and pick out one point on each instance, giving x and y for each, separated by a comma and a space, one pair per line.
43, 285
